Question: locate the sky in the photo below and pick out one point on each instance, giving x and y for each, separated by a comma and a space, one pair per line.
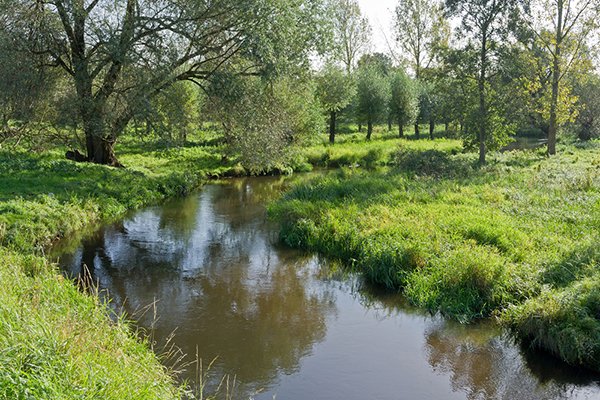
380, 14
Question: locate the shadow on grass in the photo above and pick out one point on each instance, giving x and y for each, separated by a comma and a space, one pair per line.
434, 163
580, 263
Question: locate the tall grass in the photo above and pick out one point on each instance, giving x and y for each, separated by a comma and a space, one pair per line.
56, 342
511, 238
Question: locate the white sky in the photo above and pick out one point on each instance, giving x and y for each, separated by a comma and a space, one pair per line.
380, 14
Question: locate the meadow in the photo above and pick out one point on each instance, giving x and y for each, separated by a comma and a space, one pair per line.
515, 239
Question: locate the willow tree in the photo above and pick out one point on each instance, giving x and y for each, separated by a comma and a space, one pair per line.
485, 23
335, 90
120, 54
372, 96
403, 102
420, 29
564, 28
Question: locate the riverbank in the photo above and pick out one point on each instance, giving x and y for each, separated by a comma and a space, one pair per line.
516, 238
56, 342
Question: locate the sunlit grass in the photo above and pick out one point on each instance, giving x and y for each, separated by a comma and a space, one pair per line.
469, 241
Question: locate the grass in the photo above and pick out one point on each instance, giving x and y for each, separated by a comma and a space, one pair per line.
516, 238
56, 342
353, 150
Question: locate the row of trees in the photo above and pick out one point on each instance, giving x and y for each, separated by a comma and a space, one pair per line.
510, 64
101, 67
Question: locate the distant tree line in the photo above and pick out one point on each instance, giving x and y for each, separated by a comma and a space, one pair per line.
88, 71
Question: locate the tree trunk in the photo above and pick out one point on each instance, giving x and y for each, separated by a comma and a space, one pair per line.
369, 129
400, 129
431, 128
389, 124
101, 150
332, 127
555, 81
360, 126
482, 102
446, 127
417, 133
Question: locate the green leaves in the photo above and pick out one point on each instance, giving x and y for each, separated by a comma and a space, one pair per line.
335, 88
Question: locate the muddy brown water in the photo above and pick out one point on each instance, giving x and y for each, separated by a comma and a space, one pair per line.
208, 271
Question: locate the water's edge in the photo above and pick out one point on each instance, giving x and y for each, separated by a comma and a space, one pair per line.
283, 324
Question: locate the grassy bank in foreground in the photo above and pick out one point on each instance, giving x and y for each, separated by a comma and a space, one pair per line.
55, 342
517, 238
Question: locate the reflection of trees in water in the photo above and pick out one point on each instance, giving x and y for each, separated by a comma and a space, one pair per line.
485, 365
480, 360
220, 284
224, 288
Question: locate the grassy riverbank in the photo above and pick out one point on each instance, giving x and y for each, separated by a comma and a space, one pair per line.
517, 238
56, 342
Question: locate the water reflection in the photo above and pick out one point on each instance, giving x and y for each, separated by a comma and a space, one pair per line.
209, 263
487, 366
283, 324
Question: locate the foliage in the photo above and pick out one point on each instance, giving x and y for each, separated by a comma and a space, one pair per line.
352, 33
335, 89
564, 30
119, 55
499, 130
588, 120
373, 92
420, 28
382, 63
266, 122
403, 102
174, 113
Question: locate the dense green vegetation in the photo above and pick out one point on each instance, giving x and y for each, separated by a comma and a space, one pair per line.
176, 92
516, 238
57, 343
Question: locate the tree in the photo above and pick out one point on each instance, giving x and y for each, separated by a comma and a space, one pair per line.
428, 105
379, 61
588, 120
352, 33
487, 22
264, 122
421, 29
174, 112
403, 100
372, 97
335, 90
22, 86
121, 54
572, 21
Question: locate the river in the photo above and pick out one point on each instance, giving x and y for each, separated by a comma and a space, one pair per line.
206, 273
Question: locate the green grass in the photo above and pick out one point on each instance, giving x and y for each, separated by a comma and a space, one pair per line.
353, 150
517, 238
56, 342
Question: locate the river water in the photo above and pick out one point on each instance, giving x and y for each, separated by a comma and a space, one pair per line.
207, 272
